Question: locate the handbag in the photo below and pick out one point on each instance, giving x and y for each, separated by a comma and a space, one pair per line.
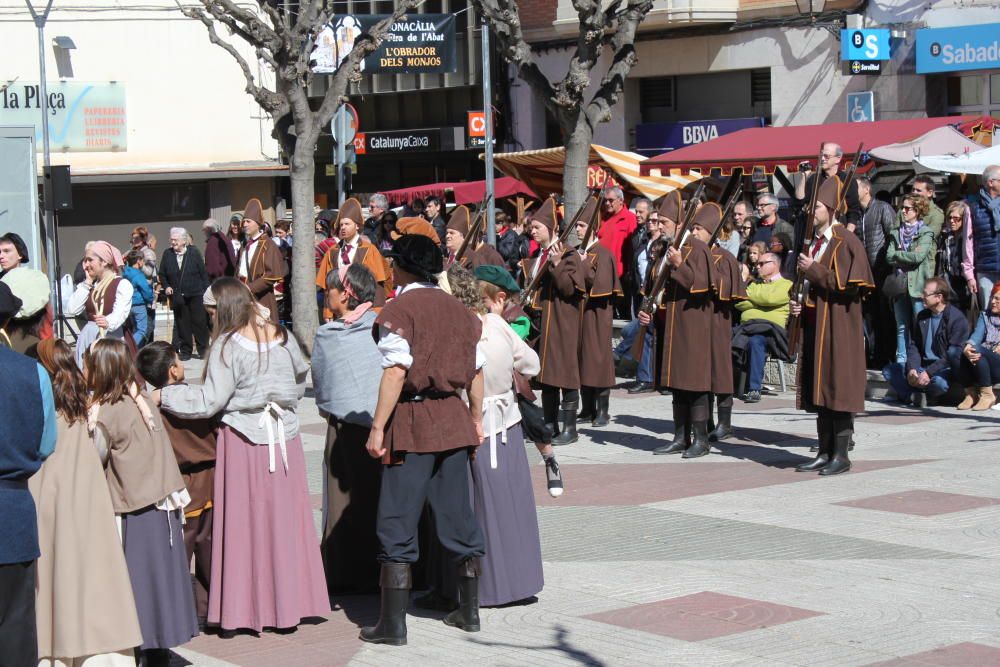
532, 417
895, 285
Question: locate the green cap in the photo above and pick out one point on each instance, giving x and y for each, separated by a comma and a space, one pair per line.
497, 275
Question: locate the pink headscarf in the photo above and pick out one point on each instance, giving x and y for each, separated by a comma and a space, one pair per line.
354, 315
109, 254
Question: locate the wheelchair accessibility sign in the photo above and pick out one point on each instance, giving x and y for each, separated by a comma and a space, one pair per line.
861, 107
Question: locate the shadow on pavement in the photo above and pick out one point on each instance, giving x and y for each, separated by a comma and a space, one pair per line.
561, 645
767, 456
359, 609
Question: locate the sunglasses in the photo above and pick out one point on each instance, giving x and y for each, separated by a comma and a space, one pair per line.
766, 261
932, 293
907, 208
955, 218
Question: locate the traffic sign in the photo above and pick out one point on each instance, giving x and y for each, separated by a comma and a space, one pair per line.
351, 127
861, 107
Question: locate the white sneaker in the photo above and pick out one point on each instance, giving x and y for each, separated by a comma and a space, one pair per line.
554, 477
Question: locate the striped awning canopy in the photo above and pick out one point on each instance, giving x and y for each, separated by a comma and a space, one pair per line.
543, 171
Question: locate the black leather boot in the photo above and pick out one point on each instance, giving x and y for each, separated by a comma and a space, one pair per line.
466, 617
681, 417
550, 408
568, 413
724, 428
699, 428
843, 431
588, 404
824, 446
391, 628
601, 416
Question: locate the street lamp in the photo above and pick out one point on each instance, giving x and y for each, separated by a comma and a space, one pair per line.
810, 8
61, 46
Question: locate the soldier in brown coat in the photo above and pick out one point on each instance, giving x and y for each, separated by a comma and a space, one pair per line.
686, 367
729, 289
353, 247
832, 361
260, 265
556, 305
601, 285
477, 253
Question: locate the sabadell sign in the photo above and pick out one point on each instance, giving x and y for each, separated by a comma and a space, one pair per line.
958, 49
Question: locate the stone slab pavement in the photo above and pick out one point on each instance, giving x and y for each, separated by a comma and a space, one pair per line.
730, 559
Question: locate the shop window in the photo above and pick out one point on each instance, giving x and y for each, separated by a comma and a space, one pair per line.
964, 91
995, 89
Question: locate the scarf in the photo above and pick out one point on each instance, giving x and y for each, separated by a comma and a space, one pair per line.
992, 339
908, 232
992, 205
98, 294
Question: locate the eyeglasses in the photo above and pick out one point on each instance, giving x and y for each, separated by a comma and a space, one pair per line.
955, 218
932, 293
765, 205
829, 157
907, 208
763, 262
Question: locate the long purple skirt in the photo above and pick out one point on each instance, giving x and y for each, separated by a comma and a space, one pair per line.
266, 564
504, 502
161, 580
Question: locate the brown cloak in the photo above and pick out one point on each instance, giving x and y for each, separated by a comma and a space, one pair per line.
600, 279
687, 349
729, 289
370, 258
485, 254
832, 370
557, 299
267, 268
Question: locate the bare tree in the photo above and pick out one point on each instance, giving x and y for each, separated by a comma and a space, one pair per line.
282, 36
603, 23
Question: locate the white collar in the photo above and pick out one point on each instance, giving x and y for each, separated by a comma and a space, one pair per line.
416, 285
355, 242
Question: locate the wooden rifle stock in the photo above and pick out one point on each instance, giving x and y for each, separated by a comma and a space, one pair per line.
689, 210
474, 228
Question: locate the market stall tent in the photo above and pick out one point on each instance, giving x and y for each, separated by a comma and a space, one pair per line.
966, 163
945, 140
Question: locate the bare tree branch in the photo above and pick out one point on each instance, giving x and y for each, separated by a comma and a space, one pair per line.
625, 58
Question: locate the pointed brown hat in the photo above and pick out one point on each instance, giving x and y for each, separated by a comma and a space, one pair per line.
672, 206
351, 209
417, 226
254, 210
546, 214
708, 217
589, 208
460, 220
829, 193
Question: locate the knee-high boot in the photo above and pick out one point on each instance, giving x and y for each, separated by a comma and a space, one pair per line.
843, 431
824, 444
601, 415
681, 421
391, 629
724, 427
699, 427
466, 617
588, 404
550, 408
568, 413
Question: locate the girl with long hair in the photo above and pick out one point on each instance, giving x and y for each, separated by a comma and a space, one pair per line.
147, 492
266, 565
82, 565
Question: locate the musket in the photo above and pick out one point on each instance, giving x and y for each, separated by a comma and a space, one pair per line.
689, 210
474, 228
528, 293
800, 288
595, 216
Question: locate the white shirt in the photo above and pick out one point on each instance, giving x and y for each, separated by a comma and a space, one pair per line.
538, 262
827, 234
119, 312
353, 243
245, 261
394, 348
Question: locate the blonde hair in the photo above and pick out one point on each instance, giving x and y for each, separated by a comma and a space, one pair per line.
465, 288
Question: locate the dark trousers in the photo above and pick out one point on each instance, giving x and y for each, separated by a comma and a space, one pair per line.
198, 544
442, 480
192, 322
756, 358
18, 634
983, 373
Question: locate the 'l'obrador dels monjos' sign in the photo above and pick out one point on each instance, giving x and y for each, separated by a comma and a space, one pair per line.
415, 44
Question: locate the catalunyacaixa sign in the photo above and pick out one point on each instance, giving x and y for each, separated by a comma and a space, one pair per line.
415, 44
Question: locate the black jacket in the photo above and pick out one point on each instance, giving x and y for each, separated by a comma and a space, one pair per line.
190, 278
513, 248
952, 332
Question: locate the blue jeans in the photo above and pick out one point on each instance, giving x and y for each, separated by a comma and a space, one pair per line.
895, 375
139, 313
906, 309
756, 356
644, 373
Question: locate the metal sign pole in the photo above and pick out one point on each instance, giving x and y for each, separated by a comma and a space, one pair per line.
491, 223
341, 154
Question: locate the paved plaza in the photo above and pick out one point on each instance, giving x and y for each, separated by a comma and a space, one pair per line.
730, 559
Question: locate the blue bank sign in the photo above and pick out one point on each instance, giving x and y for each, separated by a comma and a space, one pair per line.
865, 44
958, 49
653, 138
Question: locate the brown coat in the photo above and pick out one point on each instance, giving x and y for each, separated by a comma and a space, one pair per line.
483, 255
370, 257
557, 301
600, 279
442, 335
193, 441
832, 369
141, 469
267, 268
729, 289
687, 348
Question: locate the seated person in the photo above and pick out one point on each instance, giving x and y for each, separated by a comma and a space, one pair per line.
977, 365
763, 318
940, 329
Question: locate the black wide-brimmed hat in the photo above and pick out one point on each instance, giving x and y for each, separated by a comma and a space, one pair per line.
418, 255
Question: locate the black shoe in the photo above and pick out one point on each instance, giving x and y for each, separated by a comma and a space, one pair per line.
601, 416
568, 435
919, 400
553, 477
641, 388
466, 617
185, 356
699, 442
680, 441
752, 396
840, 463
391, 628
434, 601
664, 391
824, 446
725, 427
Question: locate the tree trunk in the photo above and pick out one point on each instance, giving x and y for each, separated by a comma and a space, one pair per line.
305, 315
578, 137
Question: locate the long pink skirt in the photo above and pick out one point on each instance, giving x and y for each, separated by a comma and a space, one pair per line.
267, 570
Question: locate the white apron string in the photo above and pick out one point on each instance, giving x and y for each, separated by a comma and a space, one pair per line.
491, 406
268, 419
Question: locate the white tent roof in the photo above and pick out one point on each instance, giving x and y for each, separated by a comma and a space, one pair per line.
966, 163
939, 141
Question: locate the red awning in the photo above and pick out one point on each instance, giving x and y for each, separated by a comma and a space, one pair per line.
772, 147
471, 192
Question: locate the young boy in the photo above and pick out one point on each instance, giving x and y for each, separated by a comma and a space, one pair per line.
142, 294
193, 441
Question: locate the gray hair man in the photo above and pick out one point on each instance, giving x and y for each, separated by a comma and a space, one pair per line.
378, 204
768, 222
830, 158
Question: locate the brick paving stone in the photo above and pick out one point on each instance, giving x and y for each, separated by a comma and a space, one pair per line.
957, 655
919, 502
